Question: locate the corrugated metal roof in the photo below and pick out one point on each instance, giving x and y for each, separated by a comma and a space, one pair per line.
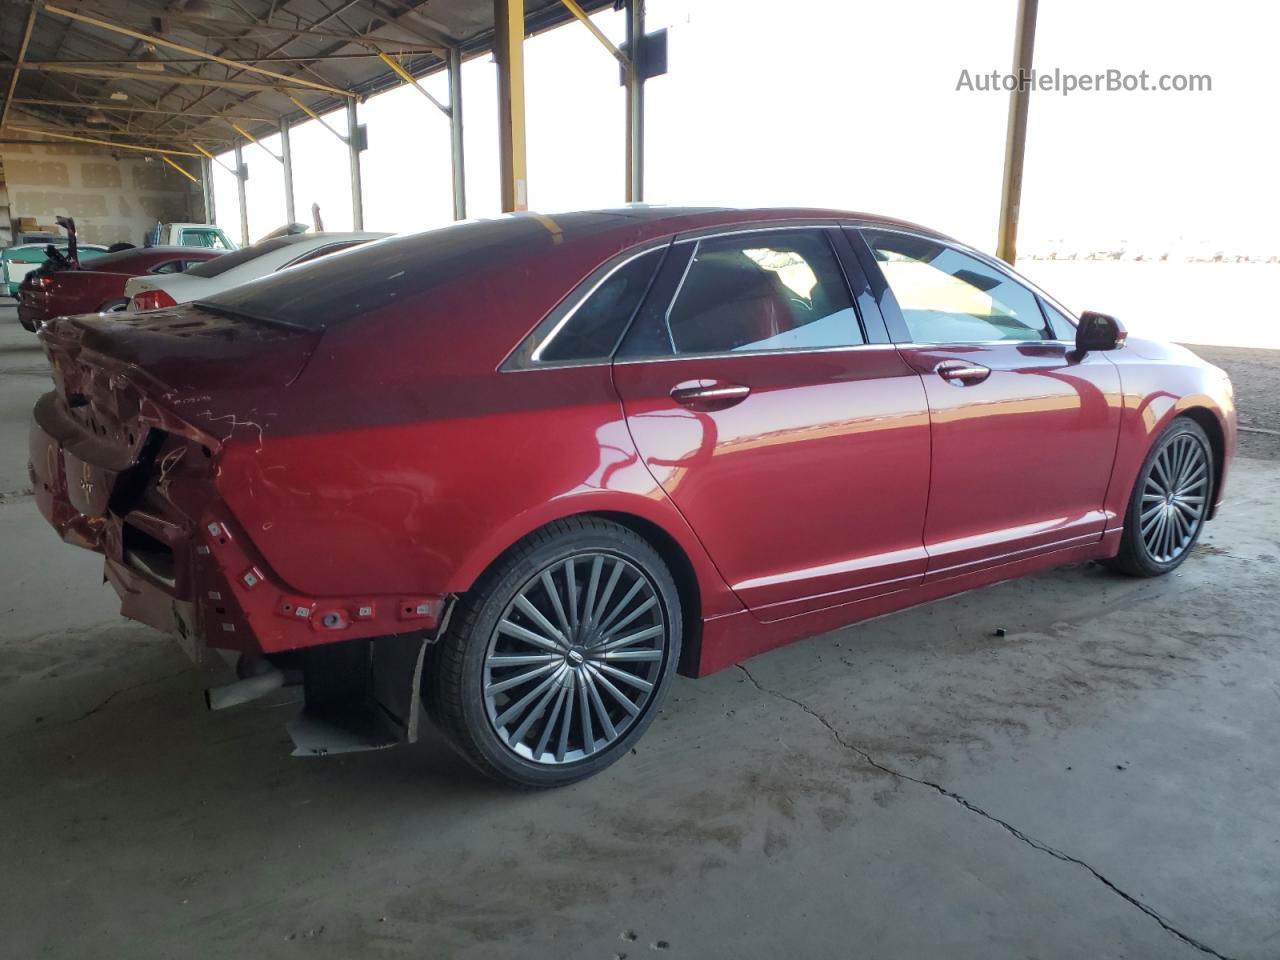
154, 94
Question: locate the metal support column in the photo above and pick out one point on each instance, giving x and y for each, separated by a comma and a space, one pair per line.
508, 49
1016, 137
241, 175
635, 102
455, 134
286, 161
353, 151
206, 185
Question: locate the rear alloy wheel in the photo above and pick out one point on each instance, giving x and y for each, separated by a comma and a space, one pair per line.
560, 655
1169, 503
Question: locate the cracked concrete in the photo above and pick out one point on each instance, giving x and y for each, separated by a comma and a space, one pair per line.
974, 808
1120, 731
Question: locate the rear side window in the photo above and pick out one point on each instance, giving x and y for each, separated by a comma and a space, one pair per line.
758, 291
592, 329
323, 252
947, 296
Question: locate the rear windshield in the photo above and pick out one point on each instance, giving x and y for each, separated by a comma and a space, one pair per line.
373, 275
229, 261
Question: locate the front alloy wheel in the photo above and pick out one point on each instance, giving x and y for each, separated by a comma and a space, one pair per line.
1169, 503
560, 654
1174, 495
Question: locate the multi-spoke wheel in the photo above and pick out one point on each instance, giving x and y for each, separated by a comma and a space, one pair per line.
1169, 502
559, 655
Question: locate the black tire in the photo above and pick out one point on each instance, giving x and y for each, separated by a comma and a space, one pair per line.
458, 665
1136, 558
114, 306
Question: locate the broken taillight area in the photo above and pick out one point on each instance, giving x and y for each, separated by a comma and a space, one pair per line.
117, 474
151, 300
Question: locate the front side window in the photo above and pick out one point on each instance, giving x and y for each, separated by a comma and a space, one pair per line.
1063, 328
947, 296
776, 290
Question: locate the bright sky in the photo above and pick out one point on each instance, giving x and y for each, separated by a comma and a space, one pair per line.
850, 105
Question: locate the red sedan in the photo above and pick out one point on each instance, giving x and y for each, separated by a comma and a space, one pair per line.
522, 470
43, 296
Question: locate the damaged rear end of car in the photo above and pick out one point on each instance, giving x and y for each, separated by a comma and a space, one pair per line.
131, 456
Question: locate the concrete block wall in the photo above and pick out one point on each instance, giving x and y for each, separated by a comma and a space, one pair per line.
112, 196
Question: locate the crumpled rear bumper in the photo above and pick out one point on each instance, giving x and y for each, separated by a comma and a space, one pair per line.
180, 562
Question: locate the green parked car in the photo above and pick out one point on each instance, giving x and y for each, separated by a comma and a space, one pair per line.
17, 262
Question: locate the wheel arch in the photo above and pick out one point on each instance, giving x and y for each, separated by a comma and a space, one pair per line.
686, 578
1208, 421
703, 592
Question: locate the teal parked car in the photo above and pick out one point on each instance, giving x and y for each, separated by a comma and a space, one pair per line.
16, 262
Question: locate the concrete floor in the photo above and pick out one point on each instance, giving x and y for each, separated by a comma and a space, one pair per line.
1103, 781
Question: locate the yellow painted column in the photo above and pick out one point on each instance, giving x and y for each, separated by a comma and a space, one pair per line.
1016, 138
508, 19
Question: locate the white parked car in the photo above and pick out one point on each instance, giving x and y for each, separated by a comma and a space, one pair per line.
152, 292
191, 235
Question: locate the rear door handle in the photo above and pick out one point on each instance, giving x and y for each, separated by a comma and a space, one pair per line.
962, 374
709, 394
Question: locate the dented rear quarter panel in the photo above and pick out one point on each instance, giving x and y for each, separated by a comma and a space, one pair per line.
403, 461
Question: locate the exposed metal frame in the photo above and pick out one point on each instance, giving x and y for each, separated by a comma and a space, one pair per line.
633, 80
229, 58
157, 41
114, 144
18, 63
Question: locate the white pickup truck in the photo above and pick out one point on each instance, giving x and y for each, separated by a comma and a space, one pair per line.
190, 235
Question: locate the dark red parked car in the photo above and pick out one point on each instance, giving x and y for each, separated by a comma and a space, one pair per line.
522, 470
43, 296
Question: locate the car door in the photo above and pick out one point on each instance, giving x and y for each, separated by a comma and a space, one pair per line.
1024, 428
779, 420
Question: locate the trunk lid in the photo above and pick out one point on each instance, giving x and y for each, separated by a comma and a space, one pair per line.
125, 381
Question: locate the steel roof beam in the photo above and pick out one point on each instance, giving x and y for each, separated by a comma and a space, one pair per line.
182, 48
186, 79
17, 64
104, 143
112, 105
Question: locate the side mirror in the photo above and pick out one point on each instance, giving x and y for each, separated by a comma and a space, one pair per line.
1098, 331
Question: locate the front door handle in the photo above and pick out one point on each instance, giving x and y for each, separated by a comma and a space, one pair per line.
709, 394
962, 374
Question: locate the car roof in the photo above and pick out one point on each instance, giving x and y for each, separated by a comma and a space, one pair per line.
112, 262
657, 219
